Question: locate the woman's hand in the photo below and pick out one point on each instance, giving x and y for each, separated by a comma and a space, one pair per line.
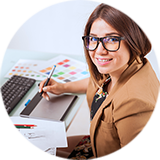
52, 87
59, 88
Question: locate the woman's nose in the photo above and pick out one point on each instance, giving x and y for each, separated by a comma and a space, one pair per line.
100, 49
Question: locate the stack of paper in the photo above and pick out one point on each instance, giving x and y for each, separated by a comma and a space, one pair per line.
46, 135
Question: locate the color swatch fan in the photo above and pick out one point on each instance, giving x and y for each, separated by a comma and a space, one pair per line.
67, 69
25, 68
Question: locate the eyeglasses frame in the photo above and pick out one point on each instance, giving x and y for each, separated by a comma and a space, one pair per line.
101, 40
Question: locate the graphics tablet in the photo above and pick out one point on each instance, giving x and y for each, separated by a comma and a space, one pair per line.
54, 109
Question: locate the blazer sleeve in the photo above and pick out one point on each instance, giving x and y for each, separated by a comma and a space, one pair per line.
137, 131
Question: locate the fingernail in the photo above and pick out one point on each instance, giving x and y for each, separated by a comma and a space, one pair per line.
45, 89
47, 98
39, 90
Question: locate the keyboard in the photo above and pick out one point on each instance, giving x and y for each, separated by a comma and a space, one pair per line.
14, 90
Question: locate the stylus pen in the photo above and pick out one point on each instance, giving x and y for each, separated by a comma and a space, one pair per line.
46, 83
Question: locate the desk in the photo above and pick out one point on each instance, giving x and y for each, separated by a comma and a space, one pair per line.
12, 56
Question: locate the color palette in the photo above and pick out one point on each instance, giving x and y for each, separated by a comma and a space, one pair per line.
25, 68
23, 155
67, 70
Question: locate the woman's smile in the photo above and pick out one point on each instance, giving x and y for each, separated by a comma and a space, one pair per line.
103, 61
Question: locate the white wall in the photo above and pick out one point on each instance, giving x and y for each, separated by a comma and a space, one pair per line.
40, 25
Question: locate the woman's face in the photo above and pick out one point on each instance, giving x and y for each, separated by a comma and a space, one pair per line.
113, 63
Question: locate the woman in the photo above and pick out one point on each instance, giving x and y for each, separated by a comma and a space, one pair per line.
122, 89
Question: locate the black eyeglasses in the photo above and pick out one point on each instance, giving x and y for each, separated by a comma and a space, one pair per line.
110, 43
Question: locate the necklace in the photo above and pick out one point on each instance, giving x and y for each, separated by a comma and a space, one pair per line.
101, 93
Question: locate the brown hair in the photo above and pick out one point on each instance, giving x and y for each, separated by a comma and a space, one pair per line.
136, 39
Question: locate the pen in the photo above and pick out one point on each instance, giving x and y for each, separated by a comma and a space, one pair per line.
48, 78
3, 150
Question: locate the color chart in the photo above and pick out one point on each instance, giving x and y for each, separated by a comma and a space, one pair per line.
23, 155
25, 68
67, 69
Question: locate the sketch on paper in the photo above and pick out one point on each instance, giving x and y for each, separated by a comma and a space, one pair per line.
47, 135
34, 134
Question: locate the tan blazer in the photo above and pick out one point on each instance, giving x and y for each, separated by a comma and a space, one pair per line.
126, 110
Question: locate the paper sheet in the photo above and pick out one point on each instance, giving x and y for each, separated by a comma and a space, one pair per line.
47, 135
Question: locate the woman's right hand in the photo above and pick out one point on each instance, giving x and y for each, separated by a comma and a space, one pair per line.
52, 87
60, 88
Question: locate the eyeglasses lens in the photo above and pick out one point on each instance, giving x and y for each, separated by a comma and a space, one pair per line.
90, 43
111, 43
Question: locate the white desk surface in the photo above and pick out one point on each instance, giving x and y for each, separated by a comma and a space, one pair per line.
79, 120
80, 124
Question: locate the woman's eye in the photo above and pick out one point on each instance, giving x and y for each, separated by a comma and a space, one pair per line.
93, 39
112, 40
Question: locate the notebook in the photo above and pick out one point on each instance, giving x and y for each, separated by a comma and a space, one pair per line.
54, 109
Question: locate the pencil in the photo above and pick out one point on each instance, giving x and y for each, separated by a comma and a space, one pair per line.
15, 126
27, 125
46, 83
